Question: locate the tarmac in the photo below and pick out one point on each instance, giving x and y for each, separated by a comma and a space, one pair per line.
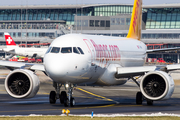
100, 100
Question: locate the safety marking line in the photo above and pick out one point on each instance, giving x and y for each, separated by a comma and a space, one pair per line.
107, 99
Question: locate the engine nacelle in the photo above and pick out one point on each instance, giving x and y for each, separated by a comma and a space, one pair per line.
22, 83
157, 85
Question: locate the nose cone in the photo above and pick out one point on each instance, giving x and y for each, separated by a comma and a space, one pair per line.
56, 67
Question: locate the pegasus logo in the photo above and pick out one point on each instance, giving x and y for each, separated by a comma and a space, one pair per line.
106, 52
9, 40
136, 15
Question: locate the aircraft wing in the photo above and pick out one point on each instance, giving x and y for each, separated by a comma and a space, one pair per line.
161, 50
14, 65
135, 71
10, 51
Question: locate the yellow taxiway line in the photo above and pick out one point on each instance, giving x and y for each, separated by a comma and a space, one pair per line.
104, 98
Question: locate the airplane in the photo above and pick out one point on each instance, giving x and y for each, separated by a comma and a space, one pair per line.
14, 49
76, 59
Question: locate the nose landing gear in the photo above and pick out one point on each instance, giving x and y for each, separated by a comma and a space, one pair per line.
64, 99
69, 100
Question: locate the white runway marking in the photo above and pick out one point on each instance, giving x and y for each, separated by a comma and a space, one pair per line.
105, 115
131, 115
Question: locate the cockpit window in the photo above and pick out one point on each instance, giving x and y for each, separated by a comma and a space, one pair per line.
55, 50
66, 50
75, 50
80, 50
49, 49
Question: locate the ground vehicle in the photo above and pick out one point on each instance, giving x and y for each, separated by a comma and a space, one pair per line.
161, 60
13, 59
38, 60
25, 59
31, 60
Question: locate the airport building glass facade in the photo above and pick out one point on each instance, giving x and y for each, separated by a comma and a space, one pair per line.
39, 22
163, 18
61, 13
149, 35
112, 10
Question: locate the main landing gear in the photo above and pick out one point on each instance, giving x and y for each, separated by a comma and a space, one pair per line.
64, 99
140, 97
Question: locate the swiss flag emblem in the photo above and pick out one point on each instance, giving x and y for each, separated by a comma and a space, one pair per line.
9, 40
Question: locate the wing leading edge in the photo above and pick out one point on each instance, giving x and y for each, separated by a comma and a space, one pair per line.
135, 71
161, 50
14, 65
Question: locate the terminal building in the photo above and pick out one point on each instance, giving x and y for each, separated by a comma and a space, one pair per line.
43, 23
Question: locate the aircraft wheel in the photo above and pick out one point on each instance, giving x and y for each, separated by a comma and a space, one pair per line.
66, 102
72, 102
62, 97
52, 97
149, 102
139, 98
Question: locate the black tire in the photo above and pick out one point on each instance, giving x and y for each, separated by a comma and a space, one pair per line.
62, 97
139, 98
66, 102
149, 102
72, 102
52, 97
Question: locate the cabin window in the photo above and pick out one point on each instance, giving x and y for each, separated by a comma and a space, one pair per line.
55, 50
66, 50
75, 50
80, 50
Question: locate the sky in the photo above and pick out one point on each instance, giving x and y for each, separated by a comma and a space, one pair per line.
68, 2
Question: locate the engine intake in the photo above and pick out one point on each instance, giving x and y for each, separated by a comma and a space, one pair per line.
22, 83
157, 85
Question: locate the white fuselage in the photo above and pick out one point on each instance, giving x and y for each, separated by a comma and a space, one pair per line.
26, 51
99, 53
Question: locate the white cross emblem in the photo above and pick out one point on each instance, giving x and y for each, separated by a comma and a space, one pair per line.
9, 40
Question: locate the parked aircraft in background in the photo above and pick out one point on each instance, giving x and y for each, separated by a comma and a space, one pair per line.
12, 48
75, 59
